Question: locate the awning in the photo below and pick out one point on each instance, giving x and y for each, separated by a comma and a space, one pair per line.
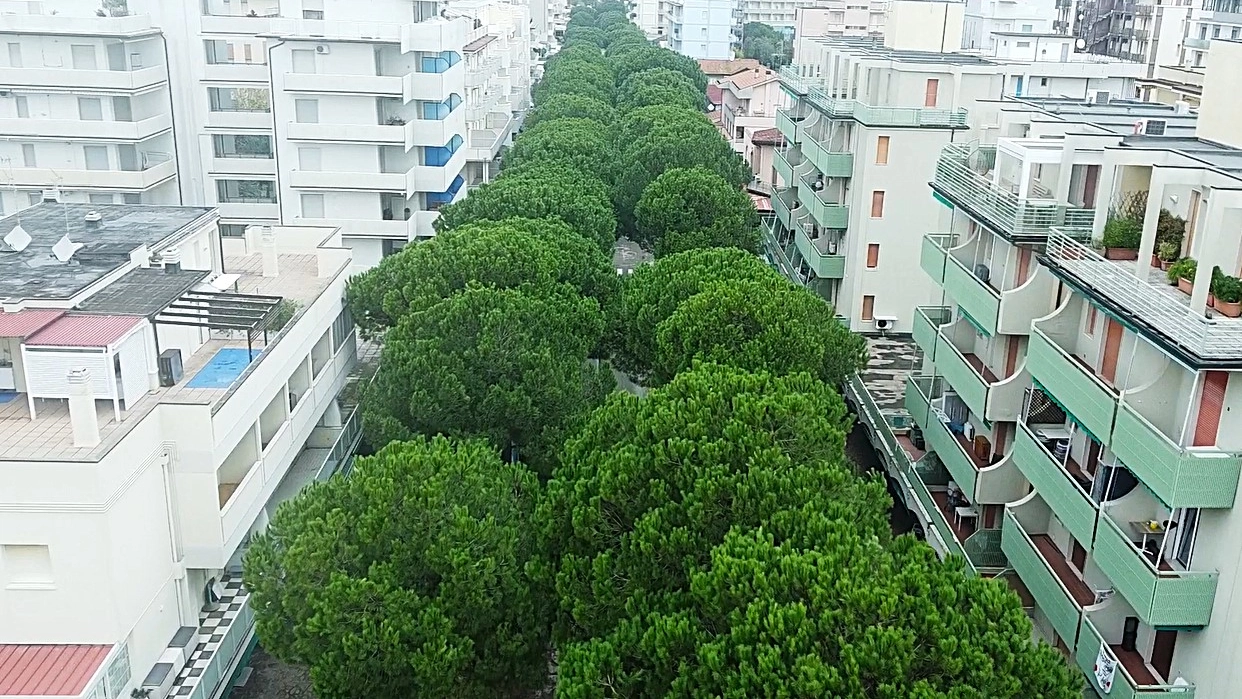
84, 331
56, 670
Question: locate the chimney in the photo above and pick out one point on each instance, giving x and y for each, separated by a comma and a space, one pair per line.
82, 415
51, 195
92, 219
267, 244
172, 260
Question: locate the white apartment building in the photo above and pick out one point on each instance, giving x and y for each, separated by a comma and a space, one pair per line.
863, 131
831, 18
702, 29
1080, 403
284, 112
162, 390
749, 99
985, 19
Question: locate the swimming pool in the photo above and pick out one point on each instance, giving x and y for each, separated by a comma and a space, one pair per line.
224, 368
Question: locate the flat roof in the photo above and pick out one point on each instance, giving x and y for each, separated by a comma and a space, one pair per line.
1117, 115
49, 669
35, 273
1218, 155
143, 292
874, 47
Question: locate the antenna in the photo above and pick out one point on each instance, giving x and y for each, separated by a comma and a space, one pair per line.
64, 248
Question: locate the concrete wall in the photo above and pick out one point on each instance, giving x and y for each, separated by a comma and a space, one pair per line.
1222, 95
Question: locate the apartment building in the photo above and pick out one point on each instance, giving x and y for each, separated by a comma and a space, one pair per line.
702, 29
748, 102
832, 18
865, 125
289, 113
1117, 28
1067, 412
162, 390
984, 19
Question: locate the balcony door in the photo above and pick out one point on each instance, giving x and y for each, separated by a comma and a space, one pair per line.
1211, 404
1112, 347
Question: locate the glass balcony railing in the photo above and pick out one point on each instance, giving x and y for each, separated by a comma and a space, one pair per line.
959, 179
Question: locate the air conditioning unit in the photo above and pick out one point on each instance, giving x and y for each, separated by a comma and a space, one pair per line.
170, 367
1101, 97
885, 322
1150, 127
323, 48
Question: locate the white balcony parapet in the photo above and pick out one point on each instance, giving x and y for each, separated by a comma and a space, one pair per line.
1150, 305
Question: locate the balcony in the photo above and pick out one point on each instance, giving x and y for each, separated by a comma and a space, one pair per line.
784, 168
789, 211
435, 132
433, 87
230, 627
991, 310
238, 25
787, 126
986, 394
932, 254
1179, 476
336, 179
435, 35
948, 535
435, 178
378, 85
966, 177
1132, 678
983, 480
109, 80
1196, 43
825, 265
875, 116
827, 213
1072, 383
379, 133
1058, 590
1064, 493
240, 119
236, 72
1157, 308
154, 174
88, 130
1161, 596
828, 163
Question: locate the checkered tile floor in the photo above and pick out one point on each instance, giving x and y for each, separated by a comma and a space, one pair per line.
215, 623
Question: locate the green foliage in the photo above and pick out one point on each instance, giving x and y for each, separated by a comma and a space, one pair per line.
1170, 229
536, 255
811, 606
578, 52
540, 191
574, 77
659, 86
1122, 234
653, 293
576, 143
635, 61
650, 485
1168, 251
583, 35
571, 107
495, 363
1185, 268
608, 19
758, 325
691, 208
766, 45
406, 579
641, 121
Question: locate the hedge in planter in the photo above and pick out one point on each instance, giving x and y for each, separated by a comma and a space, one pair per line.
1122, 238
1182, 273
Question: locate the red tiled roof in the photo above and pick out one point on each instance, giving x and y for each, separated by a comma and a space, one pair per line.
763, 203
84, 331
25, 323
48, 670
715, 117
768, 137
752, 77
714, 94
711, 66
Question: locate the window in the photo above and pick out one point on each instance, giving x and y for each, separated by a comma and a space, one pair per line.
28, 155
306, 111
303, 60
26, 565
83, 56
873, 255
90, 109
232, 230
98, 198
246, 191
118, 672
1089, 328
312, 14
868, 308
15, 55
1023, 44
1027, 29
1216, 31
739, 133
241, 146
35, 197
881, 150
312, 206
877, 204
1185, 533
932, 93
1043, 82
1234, 33
239, 99
96, 157
131, 198
23, 108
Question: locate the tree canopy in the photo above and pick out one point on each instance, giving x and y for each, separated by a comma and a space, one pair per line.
574, 77
659, 86
576, 143
584, 35
572, 107
766, 45
629, 62
495, 363
687, 208
540, 191
407, 579
516, 253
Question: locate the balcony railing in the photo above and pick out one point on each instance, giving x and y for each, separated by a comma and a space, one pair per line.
827, 214
824, 265
1053, 598
934, 252
927, 322
1076, 510
829, 163
1206, 338
1179, 476
812, 90
784, 168
786, 125
1091, 643
343, 448
1002, 210
1090, 401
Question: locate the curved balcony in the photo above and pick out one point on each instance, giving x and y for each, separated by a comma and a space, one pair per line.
928, 482
934, 253
927, 322
992, 310
994, 398
1060, 490
781, 163
825, 264
1069, 380
829, 163
1132, 679
787, 124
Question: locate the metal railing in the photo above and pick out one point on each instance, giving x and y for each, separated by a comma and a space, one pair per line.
983, 550
812, 88
1208, 338
1005, 211
340, 458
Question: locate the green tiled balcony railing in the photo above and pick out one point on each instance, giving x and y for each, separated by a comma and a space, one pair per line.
916, 475
787, 208
829, 163
780, 161
826, 214
1124, 686
1160, 597
933, 254
1179, 476
1073, 386
1049, 592
959, 178
786, 125
927, 322
969, 384
982, 550
824, 266
919, 393
974, 296
1054, 484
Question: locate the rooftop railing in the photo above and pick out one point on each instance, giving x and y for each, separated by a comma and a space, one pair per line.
812, 88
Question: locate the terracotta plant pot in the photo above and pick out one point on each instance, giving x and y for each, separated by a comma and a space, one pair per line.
1165, 265
1185, 286
1155, 260
1231, 310
1211, 300
1120, 254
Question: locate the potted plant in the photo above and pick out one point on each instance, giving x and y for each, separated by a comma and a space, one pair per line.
1228, 292
1121, 239
1167, 254
1182, 274
1170, 231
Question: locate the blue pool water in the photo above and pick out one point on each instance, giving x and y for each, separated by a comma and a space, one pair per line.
222, 369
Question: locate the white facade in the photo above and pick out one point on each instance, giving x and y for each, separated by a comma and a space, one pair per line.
118, 512
776, 13
697, 28
749, 100
286, 112
985, 18
828, 18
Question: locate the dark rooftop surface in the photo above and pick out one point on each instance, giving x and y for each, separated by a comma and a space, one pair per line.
1218, 155
126, 228
874, 46
143, 292
893, 358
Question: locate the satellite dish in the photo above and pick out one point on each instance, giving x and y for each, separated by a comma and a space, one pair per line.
17, 239
64, 248
1080, 44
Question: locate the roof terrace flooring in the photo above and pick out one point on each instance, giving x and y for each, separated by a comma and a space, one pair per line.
893, 358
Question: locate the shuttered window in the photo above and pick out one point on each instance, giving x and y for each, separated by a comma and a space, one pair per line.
881, 150
868, 307
873, 255
1211, 405
933, 92
877, 204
